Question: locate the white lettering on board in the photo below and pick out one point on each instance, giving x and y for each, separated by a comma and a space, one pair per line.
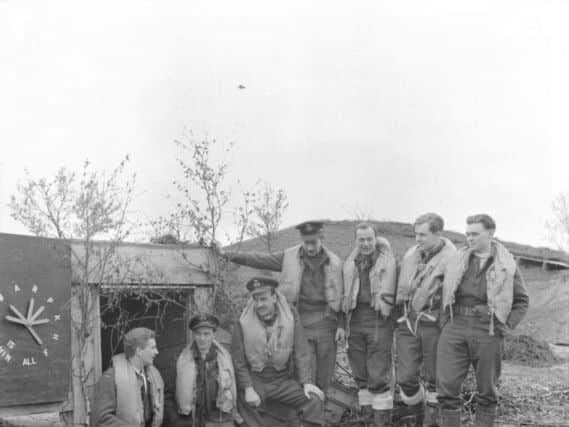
29, 361
5, 355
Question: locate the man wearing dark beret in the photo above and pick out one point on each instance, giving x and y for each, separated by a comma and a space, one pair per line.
311, 280
202, 393
268, 348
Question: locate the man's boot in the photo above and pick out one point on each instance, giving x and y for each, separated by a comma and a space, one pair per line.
382, 404
417, 413
431, 415
365, 400
484, 416
420, 415
382, 418
450, 417
366, 415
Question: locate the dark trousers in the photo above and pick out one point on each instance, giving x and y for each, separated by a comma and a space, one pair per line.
320, 330
463, 342
322, 346
414, 351
369, 351
283, 390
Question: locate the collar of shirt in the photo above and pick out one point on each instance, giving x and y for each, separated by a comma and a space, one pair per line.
320, 257
366, 260
427, 255
140, 374
485, 260
211, 354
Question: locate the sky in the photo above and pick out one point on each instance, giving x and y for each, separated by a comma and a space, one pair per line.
390, 108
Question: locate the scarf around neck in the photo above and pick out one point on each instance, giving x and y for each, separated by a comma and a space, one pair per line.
206, 382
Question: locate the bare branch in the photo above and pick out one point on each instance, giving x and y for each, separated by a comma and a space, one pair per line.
558, 225
269, 206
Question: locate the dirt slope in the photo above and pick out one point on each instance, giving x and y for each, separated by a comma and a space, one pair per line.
548, 317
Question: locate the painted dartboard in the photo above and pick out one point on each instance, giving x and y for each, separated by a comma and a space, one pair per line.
35, 286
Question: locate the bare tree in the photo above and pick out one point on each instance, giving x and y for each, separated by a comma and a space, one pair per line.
204, 203
205, 193
362, 214
268, 209
242, 216
558, 224
75, 205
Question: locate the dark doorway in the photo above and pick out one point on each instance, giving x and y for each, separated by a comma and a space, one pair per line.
163, 313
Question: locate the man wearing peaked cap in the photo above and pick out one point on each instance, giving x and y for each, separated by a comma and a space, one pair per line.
261, 284
268, 347
311, 280
201, 387
310, 227
203, 320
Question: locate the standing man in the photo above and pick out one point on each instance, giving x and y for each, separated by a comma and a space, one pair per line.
370, 278
484, 293
268, 347
419, 295
311, 280
131, 392
202, 392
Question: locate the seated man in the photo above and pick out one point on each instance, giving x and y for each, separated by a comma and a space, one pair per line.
268, 346
131, 392
202, 391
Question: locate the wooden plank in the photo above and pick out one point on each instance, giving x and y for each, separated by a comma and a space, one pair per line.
188, 315
542, 260
78, 407
15, 411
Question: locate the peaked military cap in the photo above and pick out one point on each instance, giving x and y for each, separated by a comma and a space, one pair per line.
260, 283
310, 227
203, 320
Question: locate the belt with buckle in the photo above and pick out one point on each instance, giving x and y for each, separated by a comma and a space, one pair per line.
476, 310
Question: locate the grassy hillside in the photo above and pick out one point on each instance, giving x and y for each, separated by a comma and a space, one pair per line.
339, 236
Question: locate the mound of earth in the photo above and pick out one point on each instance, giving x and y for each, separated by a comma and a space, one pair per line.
526, 350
